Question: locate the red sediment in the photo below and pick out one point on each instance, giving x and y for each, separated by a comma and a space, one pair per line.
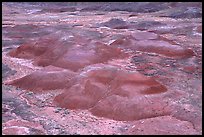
115, 94
93, 53
52, 51
189, 69
163, 48
33, 49
154, 46
82, 96
161, 126
49, 78
127, 109
26, 51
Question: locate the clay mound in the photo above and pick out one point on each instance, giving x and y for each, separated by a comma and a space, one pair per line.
43, 52
82, 96
64, 53
96, 52
153, 46
27, 51
33, 49
51, 55
129, 109
159, 126
49, 78
113, 93
164, 48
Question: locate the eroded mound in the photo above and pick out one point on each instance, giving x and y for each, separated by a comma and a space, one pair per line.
66, 54
49, 78
113, 93
94, 52
164, 48
152, 45
159, 126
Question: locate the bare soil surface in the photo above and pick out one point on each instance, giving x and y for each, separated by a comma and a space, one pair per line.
102, 68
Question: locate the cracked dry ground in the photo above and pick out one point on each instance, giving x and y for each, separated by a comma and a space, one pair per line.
108, 68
